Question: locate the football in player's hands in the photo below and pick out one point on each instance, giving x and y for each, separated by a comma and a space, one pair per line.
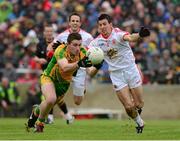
98, 66
144, 32
95, 55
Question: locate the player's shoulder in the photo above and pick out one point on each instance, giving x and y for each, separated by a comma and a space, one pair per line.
118, 30
64, 33
60, 48
60, 51
85, 33
99, 37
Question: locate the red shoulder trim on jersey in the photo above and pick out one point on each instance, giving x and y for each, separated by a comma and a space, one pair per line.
117, 29
99, 36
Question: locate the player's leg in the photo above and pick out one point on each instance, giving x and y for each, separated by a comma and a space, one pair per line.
135, 84
33, 117
139, 103
50, 118
78, 99
49, 93
79, 86
120, 82
62, 105
137, 98
125, 98
123, 92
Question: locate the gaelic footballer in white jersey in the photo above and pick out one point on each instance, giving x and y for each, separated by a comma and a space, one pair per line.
86, 37
123, 71
119, 56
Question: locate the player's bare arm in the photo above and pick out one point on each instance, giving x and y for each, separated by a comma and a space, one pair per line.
67, 67
131, 37
144, 32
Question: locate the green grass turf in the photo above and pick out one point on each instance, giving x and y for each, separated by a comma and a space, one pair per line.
91, 130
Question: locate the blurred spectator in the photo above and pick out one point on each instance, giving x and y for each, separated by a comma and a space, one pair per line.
153, 66
166, 68
9, 56
9, 97
15, 14
34, 96
9, 72
141, 62
5, 9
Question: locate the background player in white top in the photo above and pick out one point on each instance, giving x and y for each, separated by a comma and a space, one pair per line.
79, 78
124, 73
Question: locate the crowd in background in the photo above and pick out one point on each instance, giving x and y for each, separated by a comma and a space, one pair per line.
158, 56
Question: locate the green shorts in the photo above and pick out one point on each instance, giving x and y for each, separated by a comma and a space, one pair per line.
61, 87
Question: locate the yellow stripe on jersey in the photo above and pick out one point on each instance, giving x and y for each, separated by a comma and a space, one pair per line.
54, 71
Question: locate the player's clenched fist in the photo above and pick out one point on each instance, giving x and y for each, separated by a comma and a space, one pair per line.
144, 32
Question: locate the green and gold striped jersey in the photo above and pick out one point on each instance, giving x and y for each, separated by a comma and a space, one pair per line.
54, 71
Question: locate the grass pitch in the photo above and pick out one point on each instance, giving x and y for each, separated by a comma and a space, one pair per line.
14, 129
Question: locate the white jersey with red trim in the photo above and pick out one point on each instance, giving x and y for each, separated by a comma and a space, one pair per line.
118, 53
86, 37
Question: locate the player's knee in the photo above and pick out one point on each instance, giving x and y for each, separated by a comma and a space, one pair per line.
140, 104
78, 99
77, 102
129, 107
51, 101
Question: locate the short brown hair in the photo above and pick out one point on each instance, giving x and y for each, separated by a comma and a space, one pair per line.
73, 36
74, 14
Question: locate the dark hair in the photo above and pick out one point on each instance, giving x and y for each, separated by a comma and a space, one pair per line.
73, 36
47, 24
105, 16
74, 14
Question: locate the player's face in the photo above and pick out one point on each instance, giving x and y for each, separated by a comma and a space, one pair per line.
74, 47
48, 34
75, 23
104, 27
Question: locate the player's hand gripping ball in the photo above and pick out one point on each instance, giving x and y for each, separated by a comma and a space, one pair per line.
95, 55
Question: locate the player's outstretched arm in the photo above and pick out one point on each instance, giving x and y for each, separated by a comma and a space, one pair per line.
144, 32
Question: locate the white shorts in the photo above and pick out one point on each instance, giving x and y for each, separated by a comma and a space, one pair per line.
130, 77
78, 82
